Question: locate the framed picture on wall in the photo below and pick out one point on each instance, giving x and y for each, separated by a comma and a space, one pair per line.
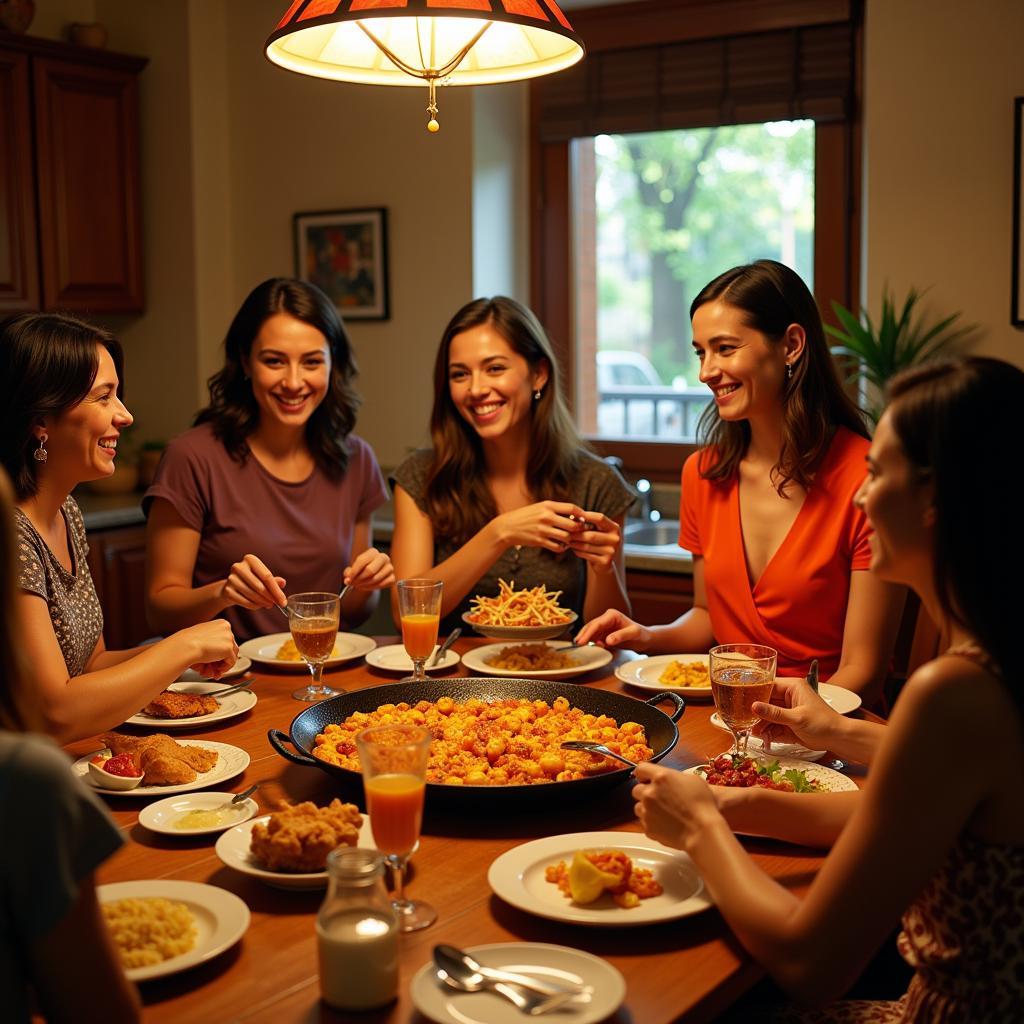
345, 253
1017, 282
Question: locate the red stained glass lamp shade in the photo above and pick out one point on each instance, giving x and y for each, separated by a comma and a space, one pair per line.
441, 42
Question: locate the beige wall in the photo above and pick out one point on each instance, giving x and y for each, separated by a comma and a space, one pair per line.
233, 146
940, 77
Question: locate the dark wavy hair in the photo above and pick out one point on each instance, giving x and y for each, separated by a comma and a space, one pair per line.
954, 420
48, 362
18, 707
771, 297
233, 412
458, 499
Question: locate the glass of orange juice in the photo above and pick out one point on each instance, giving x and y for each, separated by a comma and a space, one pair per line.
393, 759
419, 604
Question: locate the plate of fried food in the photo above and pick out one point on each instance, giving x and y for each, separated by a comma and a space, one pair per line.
166, 766
288, 849
684, 673
529, 614
162, 926
544, 659
184, 705
279, 649
614, 879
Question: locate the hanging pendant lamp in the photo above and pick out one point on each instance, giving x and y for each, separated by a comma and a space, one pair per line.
440, 42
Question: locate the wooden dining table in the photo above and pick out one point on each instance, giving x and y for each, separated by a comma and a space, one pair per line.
688, 969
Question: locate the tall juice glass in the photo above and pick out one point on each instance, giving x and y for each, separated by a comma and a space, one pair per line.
393, 759
740, 675
419, 604
313, 618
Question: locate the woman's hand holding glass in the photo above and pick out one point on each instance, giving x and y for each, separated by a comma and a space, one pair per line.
796, 714
614, 629
393, 760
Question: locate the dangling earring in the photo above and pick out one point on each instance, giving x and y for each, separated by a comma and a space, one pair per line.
40, 454
537, 394
789, 371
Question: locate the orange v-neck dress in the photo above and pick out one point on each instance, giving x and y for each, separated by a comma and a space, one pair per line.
798, 606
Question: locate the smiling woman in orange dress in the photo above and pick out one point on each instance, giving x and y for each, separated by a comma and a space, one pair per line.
58, 428
938, 830
780, 555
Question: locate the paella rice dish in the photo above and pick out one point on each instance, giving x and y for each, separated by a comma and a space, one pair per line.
688, 673
503, 743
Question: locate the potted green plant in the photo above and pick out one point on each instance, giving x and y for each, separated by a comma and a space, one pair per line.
898, 342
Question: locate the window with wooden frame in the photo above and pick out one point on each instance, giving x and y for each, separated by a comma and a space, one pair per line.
687, 74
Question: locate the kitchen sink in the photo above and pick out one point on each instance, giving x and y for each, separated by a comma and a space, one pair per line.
652, 535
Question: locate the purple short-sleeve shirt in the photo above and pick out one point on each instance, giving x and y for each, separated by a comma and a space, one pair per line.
301, 531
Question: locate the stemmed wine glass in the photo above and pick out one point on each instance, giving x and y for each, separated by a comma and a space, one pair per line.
313, 619
393, 759
740, 675
419, 604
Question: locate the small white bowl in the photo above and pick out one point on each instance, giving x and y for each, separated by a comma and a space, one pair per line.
102, 779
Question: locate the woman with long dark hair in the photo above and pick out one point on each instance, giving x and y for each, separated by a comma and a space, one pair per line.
271, 474
508, 491
60, 427
939, 828
780, 554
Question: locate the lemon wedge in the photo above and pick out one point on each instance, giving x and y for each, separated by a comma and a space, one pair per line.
587, 882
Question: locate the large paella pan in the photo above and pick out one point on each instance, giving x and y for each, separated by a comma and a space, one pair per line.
660, 728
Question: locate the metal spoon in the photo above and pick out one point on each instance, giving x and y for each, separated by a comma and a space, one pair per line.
239, 797
440, 652
460, 971
596, 748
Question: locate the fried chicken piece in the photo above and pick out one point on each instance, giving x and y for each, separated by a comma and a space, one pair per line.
173, 704
160, 769
299, 838
194, 759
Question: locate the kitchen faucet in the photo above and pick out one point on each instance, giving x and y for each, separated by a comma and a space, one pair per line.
648, 513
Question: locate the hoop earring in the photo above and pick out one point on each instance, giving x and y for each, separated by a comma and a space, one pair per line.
40, 454
789, 371
537, 394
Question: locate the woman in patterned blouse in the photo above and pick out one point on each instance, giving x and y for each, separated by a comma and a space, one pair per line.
59, 428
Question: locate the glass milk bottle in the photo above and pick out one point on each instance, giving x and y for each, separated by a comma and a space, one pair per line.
357, 933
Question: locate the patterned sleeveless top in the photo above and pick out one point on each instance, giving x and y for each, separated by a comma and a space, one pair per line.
964, 935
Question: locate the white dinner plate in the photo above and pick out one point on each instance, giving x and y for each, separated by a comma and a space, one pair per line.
517, 876
231, 762
439, 1003
394, 658
829, 781
233, 849
221, 919
264, 650
161, 816
756, 745
586, 658
192, 676
233, 704
839, 698
645, 673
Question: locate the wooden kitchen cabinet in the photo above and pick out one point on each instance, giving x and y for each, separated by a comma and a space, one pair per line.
70, 211
117, 561
658, 597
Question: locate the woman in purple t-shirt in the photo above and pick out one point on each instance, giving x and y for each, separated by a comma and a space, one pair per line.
270, 475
